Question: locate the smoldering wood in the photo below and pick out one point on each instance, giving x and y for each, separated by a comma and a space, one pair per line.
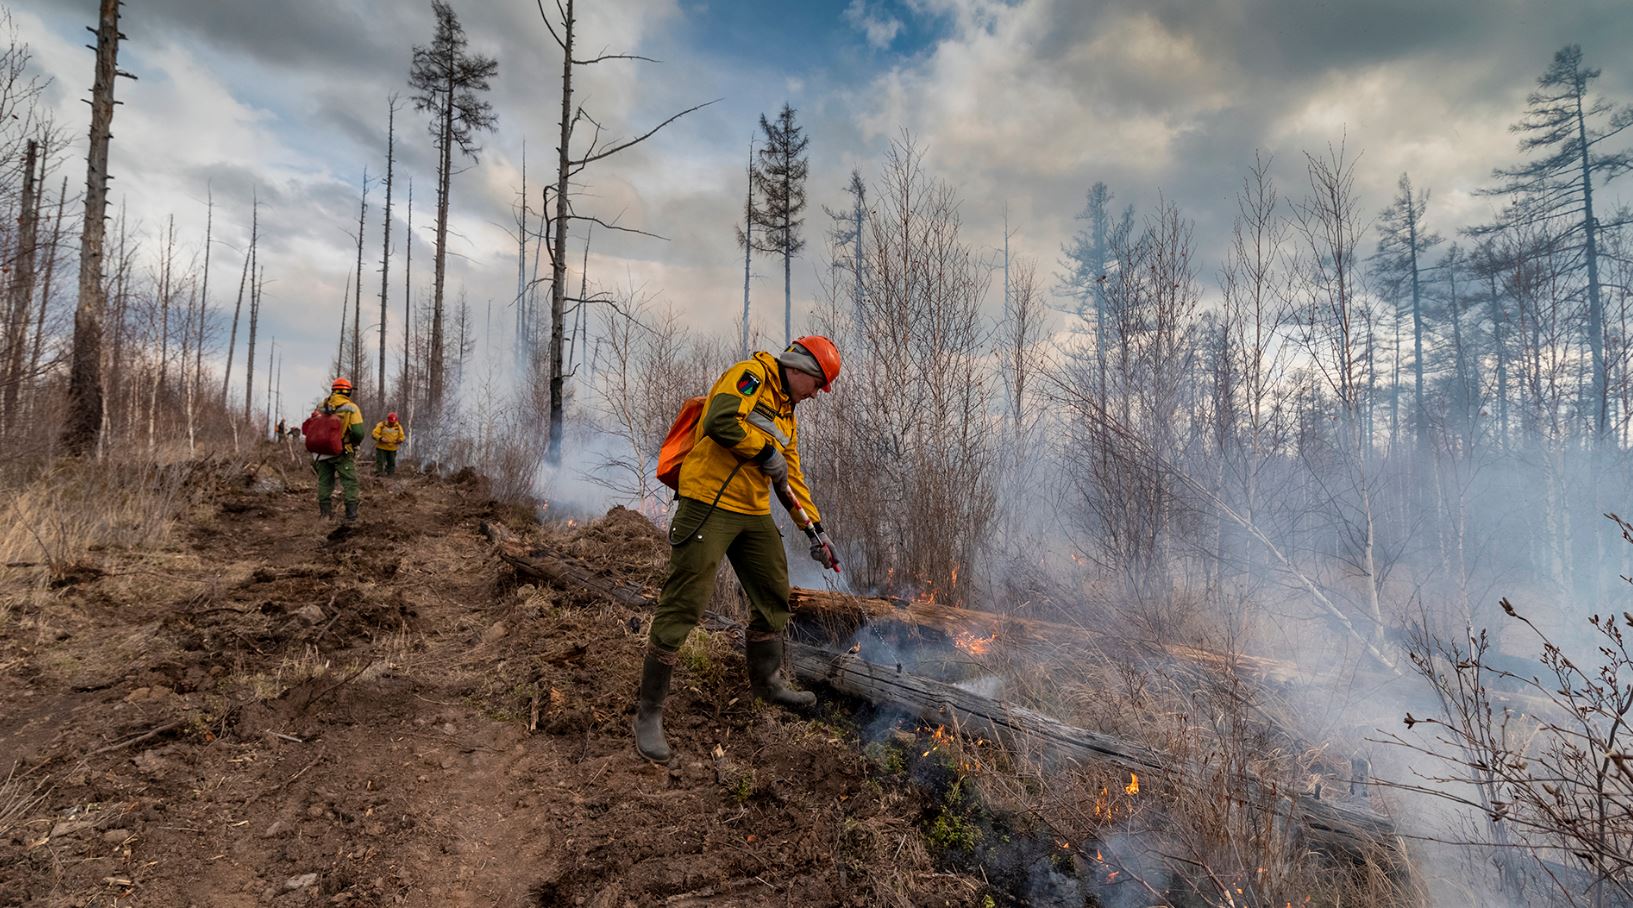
840, 615
1338, 827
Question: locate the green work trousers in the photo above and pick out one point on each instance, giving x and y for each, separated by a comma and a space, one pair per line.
753, 544
327, 469
385, 462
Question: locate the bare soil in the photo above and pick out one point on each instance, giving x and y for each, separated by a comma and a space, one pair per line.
261, 711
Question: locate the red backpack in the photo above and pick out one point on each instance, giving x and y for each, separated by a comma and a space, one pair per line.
325, 432
679, 442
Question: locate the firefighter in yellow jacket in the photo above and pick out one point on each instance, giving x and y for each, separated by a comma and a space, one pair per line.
342, 466
747, 443
388, 436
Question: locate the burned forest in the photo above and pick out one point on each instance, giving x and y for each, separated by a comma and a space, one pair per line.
1156, 459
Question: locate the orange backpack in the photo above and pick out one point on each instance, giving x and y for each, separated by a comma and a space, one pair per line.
679, 442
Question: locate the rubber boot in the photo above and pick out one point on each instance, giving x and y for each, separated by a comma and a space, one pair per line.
351, 512
765, 675
326, 510
649, 742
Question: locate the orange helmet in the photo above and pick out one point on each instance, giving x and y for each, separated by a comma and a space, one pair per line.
826, 355
341, 384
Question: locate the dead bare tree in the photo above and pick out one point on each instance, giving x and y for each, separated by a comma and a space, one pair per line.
568, 168
385, 242
1332, 324
448, 80
355, 360
406, 389
21, 290
257, 274
45, 287
166, 269
83, 425
912, 450
243, 283
203, 301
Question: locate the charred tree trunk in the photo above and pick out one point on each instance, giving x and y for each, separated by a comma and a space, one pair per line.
385, 245
116, 361
407, 389
356, 366
1332, 826
254, 321
165, 291
238, 307
45, 286
83, 424
197, 388
22, 288
558, 254
434, 380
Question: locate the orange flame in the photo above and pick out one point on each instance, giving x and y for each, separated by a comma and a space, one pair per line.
1133, 786
975, 646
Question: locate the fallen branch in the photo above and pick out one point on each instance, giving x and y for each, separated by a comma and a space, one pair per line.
839, 616
145, 736
543, 565
1338, 827
1334, 826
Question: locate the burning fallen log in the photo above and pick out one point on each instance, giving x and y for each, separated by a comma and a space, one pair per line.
1338, 827
839, 616
1334, 826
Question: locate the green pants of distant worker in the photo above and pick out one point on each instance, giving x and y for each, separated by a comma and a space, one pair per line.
327, 470
754, 546
385, 463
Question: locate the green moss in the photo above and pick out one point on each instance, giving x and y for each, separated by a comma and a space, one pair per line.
953, 831
888, 758
743, 788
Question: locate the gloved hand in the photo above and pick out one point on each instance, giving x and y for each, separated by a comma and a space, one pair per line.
822, 548
775, 467
820, 554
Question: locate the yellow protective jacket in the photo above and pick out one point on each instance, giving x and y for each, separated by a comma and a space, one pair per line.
387, 437
747, 414
351, 422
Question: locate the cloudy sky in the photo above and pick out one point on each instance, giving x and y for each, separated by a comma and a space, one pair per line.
1022, 104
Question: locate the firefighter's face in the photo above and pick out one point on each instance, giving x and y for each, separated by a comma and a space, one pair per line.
802, 385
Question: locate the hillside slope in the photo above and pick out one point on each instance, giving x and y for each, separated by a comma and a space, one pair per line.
249, 712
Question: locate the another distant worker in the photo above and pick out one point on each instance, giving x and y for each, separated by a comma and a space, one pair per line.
388, 437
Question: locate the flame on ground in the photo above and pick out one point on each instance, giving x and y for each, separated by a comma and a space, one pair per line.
970, 643
1133, 786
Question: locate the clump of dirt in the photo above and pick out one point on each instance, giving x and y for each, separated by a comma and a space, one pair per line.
253, 713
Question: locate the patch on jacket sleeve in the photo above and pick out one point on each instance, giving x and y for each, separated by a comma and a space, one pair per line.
748, 383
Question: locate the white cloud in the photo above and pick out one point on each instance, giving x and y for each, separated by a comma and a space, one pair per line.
879, 28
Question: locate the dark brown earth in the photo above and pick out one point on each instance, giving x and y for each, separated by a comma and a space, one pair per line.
252, 713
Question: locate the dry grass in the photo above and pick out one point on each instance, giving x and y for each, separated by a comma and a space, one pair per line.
18, 797
74, 508
1188, 835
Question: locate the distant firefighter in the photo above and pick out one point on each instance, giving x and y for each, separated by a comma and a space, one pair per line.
389, 435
